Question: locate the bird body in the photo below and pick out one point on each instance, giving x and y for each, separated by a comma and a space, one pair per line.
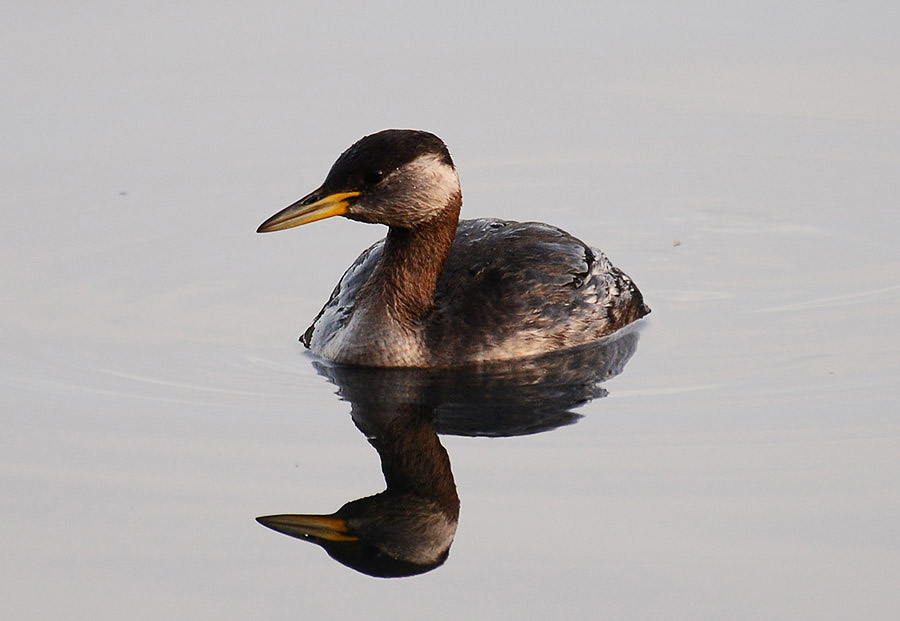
439, 292
508, 290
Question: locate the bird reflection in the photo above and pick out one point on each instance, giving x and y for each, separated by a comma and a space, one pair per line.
408, 528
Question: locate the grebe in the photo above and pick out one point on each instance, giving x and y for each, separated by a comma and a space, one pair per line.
440, 292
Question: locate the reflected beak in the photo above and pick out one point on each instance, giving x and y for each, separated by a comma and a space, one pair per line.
324, 527
308, 209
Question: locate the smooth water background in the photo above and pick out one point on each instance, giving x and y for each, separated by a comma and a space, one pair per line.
742, 163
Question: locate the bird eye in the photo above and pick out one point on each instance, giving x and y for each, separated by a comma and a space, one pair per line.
373, 176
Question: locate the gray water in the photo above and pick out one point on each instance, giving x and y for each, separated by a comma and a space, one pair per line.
740, 164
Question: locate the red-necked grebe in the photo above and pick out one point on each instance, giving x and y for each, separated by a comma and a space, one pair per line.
440, 292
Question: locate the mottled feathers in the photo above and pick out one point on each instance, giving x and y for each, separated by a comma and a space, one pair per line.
508, 290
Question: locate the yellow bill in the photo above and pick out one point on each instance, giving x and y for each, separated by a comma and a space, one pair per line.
324, 527
304, 211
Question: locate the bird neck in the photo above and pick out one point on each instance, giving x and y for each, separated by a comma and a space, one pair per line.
413, 460
411, 262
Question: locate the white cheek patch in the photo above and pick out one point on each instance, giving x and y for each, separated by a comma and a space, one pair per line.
432, 184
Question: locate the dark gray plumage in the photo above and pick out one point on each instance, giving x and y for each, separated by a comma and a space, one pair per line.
437, 292
508, 290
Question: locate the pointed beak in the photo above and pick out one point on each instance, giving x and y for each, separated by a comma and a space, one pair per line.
308, 209
325, 527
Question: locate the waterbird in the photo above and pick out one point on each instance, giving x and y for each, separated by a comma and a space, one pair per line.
439, 292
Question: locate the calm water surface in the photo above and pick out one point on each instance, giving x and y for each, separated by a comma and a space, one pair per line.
741, 166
